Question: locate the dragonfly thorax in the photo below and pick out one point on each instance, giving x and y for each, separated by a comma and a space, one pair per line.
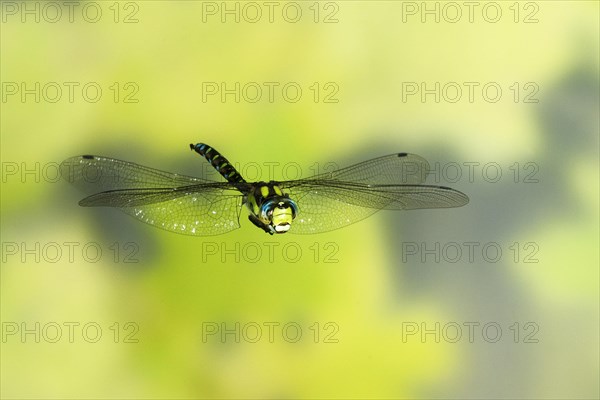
271, 209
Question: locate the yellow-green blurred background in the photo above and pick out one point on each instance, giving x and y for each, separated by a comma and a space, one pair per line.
376, 292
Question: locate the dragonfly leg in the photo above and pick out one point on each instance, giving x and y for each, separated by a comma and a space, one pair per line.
260, 224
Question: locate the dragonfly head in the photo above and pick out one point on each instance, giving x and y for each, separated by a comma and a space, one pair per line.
278, 213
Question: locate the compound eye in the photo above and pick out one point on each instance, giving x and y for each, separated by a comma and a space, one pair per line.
266, 210
294, 209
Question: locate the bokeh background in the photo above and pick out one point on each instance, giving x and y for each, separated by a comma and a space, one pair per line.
381, 314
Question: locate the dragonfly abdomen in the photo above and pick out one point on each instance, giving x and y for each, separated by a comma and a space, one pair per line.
220, 163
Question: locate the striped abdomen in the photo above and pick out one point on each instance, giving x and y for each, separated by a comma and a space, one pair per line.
220, 163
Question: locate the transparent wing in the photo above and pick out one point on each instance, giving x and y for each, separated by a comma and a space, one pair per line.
198, 210
317, 214
393, 169
177, 203
328, 206
97, 174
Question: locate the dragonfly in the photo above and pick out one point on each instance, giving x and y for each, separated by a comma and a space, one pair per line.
202, 207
